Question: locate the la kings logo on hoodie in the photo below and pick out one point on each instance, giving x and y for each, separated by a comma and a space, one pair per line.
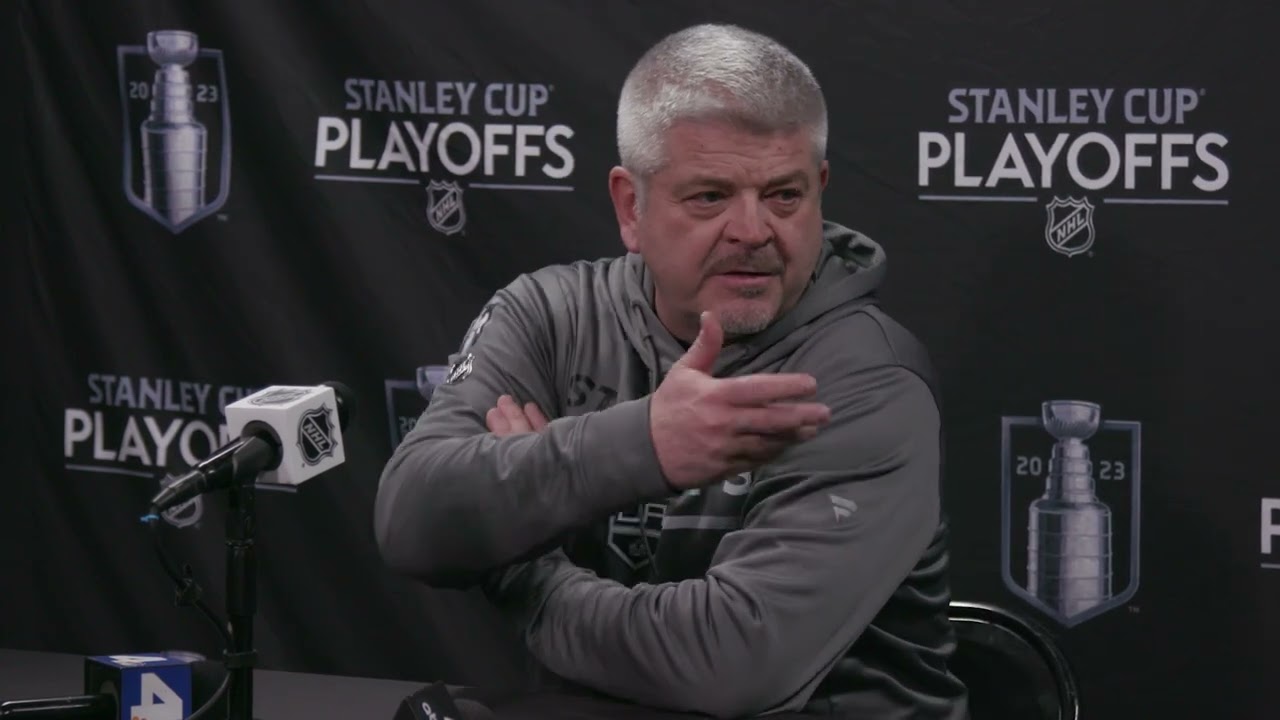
476, 327
709, 512
461, 368
634, 533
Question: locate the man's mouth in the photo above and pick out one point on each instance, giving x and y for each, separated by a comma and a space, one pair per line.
745, 278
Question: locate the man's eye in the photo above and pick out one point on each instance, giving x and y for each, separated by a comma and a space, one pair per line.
708, 197
788, 194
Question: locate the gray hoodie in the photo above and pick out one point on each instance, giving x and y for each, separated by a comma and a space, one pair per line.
816, 582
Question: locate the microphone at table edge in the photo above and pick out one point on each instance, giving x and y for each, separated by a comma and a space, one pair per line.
188, 679
287, 434
80, 707
437, 702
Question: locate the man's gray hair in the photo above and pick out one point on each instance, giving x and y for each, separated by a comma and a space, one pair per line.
715, 72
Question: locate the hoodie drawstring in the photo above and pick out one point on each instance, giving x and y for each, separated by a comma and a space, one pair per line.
655, 379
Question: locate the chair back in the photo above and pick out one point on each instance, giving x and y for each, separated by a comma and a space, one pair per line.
1012, 667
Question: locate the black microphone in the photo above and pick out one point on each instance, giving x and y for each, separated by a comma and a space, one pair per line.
435, 702
71, 707
287, 436
206, 676
472, 710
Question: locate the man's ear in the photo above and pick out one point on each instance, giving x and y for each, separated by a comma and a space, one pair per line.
625, 196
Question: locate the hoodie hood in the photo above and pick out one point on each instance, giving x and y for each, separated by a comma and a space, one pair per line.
848, 272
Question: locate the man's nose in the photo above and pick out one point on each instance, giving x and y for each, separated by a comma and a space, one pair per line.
748, 222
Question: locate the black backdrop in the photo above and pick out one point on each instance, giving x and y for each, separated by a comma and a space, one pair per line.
1137, 272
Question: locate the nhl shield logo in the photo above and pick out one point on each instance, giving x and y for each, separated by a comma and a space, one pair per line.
1070, 510
1069, 226
445, 211
177, 128
315, 435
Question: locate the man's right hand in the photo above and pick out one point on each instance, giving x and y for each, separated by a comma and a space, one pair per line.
706, 428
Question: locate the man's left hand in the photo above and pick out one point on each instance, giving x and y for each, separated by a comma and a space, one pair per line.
508, 418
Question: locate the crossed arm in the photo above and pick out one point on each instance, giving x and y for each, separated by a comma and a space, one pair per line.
785, 596
760, 629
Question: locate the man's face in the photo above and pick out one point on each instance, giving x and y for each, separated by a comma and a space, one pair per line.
732, 223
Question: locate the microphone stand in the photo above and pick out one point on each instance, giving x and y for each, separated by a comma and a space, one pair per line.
237, 467
241, 598
250, 461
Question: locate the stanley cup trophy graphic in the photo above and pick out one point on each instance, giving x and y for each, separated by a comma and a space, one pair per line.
1069, 538
174, 144
1070, 509
407, 399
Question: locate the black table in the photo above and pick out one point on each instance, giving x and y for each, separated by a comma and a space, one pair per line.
279, 695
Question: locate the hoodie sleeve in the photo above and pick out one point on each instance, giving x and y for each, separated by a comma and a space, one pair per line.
833, 528
455, 501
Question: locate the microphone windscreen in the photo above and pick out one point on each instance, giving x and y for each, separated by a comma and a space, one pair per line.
346, 402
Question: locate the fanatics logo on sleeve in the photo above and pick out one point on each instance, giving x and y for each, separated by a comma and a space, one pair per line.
842, 507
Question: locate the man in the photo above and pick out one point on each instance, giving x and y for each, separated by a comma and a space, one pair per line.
730, 378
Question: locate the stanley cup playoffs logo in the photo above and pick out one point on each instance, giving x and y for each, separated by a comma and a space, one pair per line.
408, 399
1070, 510
177, 128
1074, 156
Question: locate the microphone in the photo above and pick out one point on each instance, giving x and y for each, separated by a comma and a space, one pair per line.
435, 702
472, 710
287, 435
132, 687
71, 707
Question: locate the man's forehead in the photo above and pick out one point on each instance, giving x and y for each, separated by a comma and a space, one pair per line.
740, 167
717, 148
710, 134
729, 177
